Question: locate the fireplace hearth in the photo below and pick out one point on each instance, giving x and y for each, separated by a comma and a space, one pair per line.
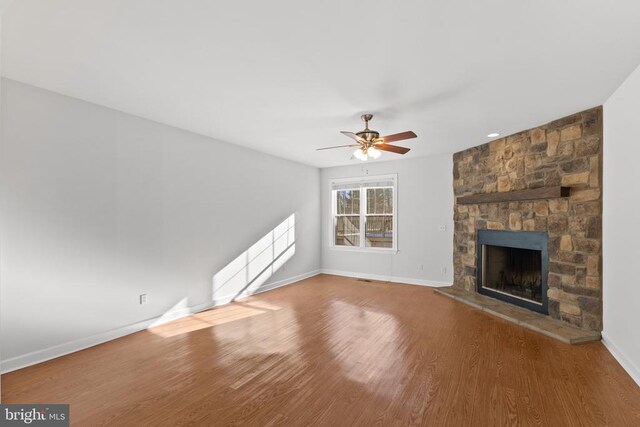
513, 267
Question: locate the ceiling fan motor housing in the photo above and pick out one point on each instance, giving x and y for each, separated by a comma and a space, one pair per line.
368, 135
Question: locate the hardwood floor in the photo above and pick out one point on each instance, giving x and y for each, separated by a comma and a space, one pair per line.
340, 352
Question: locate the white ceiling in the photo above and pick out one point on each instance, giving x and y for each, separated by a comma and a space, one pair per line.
285, 76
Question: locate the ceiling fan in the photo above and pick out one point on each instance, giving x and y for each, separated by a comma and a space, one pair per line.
369, 142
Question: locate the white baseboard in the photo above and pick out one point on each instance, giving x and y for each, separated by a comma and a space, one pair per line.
49, 353
622, 359
395, 279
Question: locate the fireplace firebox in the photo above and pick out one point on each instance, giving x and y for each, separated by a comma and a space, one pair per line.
513, 267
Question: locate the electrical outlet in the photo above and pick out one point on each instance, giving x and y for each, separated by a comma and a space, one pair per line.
444, 271
143, 299
443, 227
421, 267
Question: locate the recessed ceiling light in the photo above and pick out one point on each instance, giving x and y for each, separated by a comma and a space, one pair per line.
493, 135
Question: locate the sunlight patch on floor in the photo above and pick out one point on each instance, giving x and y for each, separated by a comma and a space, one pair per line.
172, 313
215, 317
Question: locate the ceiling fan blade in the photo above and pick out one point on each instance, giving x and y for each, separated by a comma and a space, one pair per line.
352, 135
398, 137
392, 148
338, 146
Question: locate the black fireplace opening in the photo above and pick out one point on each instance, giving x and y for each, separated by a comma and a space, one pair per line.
513, 267
513, 271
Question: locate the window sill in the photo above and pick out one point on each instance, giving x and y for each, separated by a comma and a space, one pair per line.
390, 251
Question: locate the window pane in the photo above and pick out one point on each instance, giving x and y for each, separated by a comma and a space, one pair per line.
348, 202
379, 231
347, 232
340, 202
356, 202
379, 201
388, 200
371, 200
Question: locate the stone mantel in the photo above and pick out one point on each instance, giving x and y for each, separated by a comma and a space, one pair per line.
515, 196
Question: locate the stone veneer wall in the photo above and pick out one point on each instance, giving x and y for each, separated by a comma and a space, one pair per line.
565, 152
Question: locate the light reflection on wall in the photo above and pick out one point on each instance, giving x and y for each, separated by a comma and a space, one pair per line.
241, 277
252, 268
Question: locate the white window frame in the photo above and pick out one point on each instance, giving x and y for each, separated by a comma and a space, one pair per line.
359, 183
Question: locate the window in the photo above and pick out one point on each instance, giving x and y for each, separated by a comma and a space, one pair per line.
347, 217
363, 213
378, 231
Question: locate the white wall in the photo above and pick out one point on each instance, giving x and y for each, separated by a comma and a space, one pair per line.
621, 234
3, 4
99, 207
425, 202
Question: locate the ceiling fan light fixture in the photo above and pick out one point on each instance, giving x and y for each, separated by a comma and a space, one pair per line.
359, 154
373, 153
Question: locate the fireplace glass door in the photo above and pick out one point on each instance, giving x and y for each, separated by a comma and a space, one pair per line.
513, 271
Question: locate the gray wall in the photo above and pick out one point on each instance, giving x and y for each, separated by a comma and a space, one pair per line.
621, 235
425, 203
99, 207
2, 6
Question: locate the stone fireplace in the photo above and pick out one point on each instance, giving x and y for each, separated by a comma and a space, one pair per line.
559, 166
